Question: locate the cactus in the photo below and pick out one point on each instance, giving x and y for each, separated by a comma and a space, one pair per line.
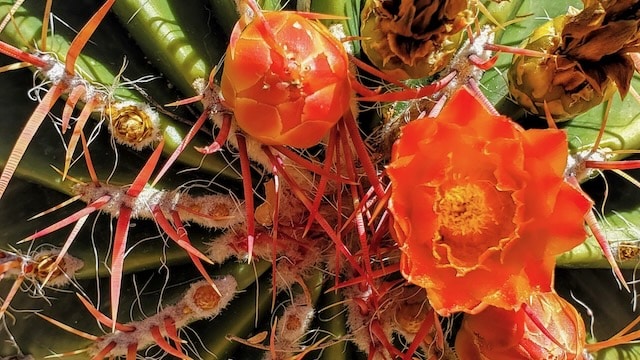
140, 219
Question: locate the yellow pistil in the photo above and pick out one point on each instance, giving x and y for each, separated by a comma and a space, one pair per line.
463, 210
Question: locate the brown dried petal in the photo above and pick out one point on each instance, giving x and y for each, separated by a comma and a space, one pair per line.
402, 19
427, 16
621, 9
606, 40
569, 80
602, 28
409, 50
619, 72
579, 26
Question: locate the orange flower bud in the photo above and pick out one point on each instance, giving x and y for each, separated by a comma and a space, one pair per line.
290, 90
550, 328
480, 207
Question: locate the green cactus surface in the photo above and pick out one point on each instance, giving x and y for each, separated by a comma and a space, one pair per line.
325, 277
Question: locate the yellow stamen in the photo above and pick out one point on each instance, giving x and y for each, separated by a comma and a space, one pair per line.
463, 210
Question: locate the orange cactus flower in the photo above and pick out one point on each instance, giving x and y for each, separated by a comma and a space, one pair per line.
287, 79
552, 329
480, 207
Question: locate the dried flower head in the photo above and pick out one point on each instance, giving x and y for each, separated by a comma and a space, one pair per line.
480, 207
592, 58
413, 38
44, 267
133, 124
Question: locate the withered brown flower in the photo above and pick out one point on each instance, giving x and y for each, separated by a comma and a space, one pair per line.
413, 38
590, 58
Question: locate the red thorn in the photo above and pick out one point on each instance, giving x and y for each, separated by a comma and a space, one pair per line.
117, 260
247, 186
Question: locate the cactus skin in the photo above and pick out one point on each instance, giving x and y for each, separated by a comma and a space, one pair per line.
157, 272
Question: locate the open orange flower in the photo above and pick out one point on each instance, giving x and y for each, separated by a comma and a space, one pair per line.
552, 329
480, 207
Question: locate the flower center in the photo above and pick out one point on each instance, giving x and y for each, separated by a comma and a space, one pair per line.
463, 210
473, 218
